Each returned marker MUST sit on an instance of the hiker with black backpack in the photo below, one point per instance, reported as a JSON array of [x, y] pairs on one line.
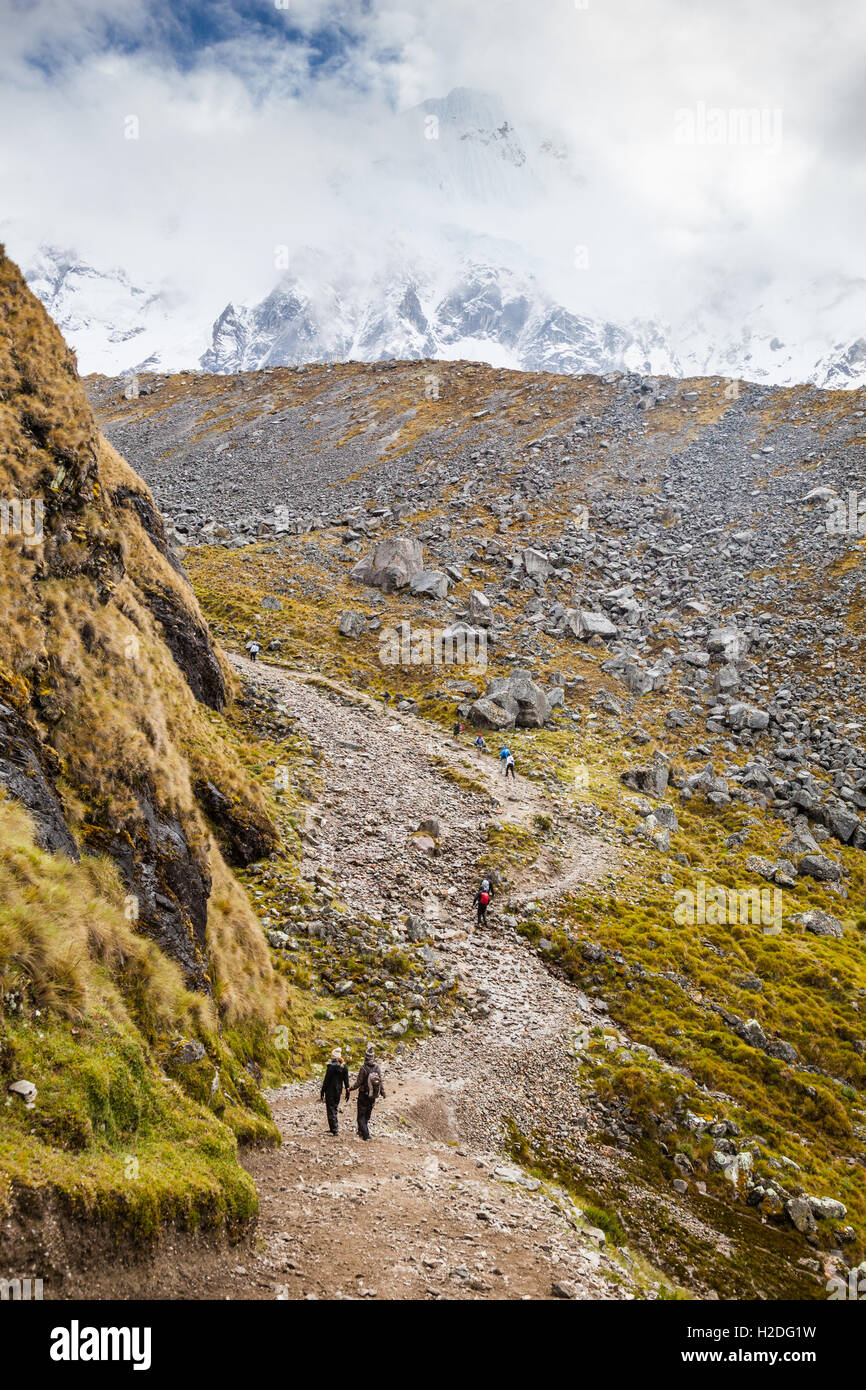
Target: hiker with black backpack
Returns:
[[370, 1087], [336, 1080], [482, 901]]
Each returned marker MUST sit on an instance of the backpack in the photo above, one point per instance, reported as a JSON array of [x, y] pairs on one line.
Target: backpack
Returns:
[[484, 899], [374, 1084]]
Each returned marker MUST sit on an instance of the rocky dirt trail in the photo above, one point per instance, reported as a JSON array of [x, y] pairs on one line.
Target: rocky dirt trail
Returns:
[[429, 1208], [383, 775]]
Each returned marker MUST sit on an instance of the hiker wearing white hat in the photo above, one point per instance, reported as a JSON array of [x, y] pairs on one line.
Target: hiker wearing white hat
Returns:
[[335, 1082]]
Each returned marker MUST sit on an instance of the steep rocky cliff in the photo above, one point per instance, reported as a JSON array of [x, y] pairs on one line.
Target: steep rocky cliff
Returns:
[[128, 952]]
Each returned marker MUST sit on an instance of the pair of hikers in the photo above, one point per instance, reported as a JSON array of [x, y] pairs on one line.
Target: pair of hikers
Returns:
[[506, 762], [368, 1084], [482, 900]]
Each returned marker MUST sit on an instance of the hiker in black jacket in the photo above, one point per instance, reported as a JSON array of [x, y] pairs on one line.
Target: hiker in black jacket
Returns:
[[336, 1080], [370, 1087]]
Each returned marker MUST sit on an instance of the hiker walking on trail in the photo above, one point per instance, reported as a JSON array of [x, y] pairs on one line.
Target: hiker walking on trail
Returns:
[[370, 1087], [509, 767], [335, 1082], [480, 744], [504, 755], [253, 648], [458, 729], [482, 901]]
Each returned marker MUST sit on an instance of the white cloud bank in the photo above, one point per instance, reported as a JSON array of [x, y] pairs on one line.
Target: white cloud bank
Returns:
[[246, 142]]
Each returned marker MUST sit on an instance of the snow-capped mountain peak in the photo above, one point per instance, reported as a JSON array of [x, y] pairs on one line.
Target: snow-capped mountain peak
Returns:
[[451, 265]]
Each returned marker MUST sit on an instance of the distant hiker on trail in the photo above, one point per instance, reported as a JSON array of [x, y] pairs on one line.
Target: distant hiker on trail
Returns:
[[482, 901], [253, 648], [504, 755], [370, 1087], [480, 744], [336, 1080], [509, 767], [458, 729]]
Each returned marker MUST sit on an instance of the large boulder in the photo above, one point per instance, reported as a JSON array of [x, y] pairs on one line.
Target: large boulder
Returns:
[[489, 715], [651, 781], [801, 1215], [728, 643], [820, 923], [706, 783], [819, 867], [633, 677], [743, 716], [520, 690], [800, 841], [536, 564], [534, 710], [429, 584], [352, 624], [841, 822], [480, 611], [466, 644], [512, 701], [392, 565], [827, 1208], [584, 625]]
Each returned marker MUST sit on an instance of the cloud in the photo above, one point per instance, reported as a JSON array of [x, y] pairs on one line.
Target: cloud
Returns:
[[260, 126]]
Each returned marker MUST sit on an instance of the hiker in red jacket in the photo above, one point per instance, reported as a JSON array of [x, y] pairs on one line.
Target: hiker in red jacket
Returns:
[[482, 901], [370, 1087]]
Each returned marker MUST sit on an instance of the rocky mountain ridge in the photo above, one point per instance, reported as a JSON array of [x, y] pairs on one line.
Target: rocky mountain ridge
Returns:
[[488, 309]]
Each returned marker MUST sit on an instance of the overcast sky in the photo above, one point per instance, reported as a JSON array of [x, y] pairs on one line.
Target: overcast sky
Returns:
[[260, 125]]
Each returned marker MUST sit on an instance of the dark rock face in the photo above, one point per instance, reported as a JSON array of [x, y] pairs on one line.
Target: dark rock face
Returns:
[[23, 777], [245, 836], [170, 884], [190, 645], [129, 809], [151, 521]]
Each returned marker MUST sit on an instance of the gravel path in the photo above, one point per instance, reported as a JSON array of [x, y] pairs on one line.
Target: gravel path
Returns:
[[429, 1208]]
